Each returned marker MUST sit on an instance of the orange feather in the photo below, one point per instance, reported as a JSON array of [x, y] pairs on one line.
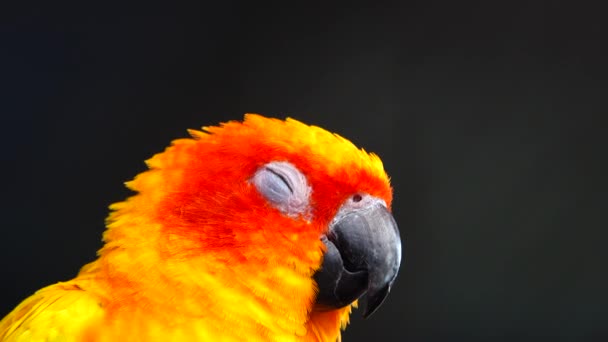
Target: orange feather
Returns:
[[198, 253]]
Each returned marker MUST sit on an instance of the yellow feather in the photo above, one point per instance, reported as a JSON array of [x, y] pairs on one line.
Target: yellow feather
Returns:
[[60, 312], [155, 280]]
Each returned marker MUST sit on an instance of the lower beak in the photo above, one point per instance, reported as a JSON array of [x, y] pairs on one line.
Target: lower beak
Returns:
[[363, 256]]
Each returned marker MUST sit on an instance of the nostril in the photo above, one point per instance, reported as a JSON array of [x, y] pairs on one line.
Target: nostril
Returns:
[[357, 198]]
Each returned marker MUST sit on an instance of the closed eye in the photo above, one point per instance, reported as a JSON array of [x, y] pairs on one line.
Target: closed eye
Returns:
[[284, 187], [282, 178]]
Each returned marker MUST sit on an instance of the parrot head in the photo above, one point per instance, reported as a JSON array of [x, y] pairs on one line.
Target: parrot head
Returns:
[[261, 218]]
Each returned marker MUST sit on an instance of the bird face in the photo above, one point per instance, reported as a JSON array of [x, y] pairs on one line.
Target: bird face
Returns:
[[267, 196], [362, 244]]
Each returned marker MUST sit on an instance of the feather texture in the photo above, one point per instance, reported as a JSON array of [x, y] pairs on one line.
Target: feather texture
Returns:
[[198, 254]]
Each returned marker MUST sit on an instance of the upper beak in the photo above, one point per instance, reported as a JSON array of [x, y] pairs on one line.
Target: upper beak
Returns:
[[363, 255]]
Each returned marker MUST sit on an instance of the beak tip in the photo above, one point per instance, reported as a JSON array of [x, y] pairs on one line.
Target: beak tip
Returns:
[[375, 298]]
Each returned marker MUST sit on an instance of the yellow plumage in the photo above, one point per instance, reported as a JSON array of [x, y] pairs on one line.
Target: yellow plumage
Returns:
[[58, 313], [197, 255]]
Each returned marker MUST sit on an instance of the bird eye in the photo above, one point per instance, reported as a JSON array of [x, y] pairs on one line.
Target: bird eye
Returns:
[[284, 186], [274, 186]]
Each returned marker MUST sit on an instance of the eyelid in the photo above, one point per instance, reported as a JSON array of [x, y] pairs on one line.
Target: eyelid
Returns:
[[284, 187], [282, 178]]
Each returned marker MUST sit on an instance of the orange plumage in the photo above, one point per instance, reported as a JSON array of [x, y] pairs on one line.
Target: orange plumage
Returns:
[[199, 254]]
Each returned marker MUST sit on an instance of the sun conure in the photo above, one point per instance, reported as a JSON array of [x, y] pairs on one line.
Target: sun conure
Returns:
[[261, 230]]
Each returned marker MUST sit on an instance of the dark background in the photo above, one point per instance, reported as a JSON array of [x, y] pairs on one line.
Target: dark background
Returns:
[[487, 116]]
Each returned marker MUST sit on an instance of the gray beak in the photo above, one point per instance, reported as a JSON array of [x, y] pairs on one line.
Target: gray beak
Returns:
[[363, 256]]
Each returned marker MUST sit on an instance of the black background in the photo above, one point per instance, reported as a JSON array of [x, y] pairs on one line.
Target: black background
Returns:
[[488, 116]]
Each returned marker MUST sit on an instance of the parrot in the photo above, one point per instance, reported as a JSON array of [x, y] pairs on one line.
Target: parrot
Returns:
[[260, 229]]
